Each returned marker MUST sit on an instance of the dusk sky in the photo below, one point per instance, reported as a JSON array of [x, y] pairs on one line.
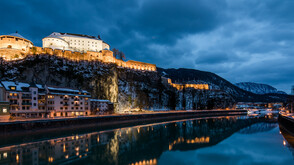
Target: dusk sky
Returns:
[[240, 40]]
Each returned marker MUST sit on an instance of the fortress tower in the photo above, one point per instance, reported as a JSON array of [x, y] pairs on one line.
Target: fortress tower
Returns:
[[14, 46]]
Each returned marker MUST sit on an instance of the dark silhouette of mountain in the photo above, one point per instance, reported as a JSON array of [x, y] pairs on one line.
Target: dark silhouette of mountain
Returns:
[[183, 75]]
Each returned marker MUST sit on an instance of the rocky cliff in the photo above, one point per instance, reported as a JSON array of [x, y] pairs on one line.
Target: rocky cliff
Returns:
[[128, 89]]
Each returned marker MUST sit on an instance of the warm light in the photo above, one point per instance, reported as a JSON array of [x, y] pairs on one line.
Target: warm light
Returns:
[[284, 142], [77, 149], [98, 139], [5, 155], [64, 149], [66, 156], [50, 159], [17, 158]]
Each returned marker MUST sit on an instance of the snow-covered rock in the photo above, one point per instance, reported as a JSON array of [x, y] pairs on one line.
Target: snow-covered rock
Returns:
[[258, 88]]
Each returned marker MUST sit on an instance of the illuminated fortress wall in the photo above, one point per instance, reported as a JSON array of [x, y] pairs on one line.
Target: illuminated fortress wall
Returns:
[[105, 56], [182, 86]]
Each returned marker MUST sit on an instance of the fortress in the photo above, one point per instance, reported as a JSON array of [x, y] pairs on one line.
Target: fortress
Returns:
[[75, 47], [67, 45]]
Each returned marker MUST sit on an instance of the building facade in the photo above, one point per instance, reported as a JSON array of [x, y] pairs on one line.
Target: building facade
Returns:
[[67, 102], [74, 42], [101, 106], [35, 100], [25, 100]]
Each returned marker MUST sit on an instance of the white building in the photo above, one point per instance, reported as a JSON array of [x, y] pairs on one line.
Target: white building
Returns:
[[26, 100], [74, 42], [101, 106], [67, 102]]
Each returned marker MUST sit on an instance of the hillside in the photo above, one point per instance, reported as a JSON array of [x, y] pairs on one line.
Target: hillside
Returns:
[[258, 88], [183, 75]]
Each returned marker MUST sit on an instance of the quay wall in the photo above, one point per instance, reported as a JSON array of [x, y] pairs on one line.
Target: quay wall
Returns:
[[111, 120]]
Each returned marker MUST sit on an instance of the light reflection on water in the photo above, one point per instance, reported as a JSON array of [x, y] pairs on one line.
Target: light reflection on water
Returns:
[[218, 140]]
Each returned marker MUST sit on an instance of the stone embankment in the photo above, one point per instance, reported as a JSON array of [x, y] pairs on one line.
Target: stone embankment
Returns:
[[110, 120]]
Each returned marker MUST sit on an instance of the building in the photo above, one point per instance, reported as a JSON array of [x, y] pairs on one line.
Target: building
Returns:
[[67, 102], [25, 100], [101, 106], [14, 46], [74, 42], [35, 100]]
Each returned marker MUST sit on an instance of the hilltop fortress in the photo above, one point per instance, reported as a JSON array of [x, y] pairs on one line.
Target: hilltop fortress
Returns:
[[67, 45], [75, 47]]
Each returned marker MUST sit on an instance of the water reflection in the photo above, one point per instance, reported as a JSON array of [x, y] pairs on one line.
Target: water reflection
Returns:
[[136, 145]]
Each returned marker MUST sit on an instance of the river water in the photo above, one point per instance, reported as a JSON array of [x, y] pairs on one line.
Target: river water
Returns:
[[212, 140]]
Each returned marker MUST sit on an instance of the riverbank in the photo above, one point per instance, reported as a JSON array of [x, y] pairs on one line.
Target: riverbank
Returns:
[[286, 121], [45, 125]]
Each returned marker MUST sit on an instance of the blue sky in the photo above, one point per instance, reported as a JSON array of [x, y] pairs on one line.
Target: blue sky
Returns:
[[244, 40]]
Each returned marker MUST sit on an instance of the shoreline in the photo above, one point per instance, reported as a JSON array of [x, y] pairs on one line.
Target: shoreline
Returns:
[[30, 126]]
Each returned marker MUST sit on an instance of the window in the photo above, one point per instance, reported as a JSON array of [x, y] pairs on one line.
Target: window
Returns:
[[61, 102], [12, 88], [4, 110], [35, 104], [35, 92], [35, 98]]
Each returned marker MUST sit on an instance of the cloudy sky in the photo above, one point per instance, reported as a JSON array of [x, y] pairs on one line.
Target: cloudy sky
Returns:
[[240, 40]]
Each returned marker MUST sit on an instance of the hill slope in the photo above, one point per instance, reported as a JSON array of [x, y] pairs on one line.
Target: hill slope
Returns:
[[183, 75], [258, 88]]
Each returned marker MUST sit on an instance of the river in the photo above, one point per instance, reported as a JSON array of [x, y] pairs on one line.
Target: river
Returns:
[[211, 140]]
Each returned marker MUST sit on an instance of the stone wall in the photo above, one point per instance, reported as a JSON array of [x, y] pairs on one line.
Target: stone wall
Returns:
[[105, 56], [182, 86]]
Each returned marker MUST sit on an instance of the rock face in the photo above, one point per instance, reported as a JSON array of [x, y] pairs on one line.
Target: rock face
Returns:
[[127, 89], [258, 88]]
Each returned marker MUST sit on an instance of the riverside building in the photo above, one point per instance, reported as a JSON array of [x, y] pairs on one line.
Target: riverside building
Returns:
[[67, 102], [101, 106], [35, 100]]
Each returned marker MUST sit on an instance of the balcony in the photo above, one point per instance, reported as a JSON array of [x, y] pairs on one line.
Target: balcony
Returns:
[[65, 104], [76, 99], [76, 104], [13, 104], [26, 103], [66, 98]]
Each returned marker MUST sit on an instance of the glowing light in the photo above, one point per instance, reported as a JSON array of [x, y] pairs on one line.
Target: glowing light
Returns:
[[66, 156], [77, 149], [5, 155], [17, 158], [50, 159], [284, 143]]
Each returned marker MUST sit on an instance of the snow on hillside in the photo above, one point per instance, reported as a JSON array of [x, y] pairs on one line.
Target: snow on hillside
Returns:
[[258, 88]]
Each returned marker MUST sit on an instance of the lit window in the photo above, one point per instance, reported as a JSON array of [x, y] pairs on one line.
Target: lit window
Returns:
[[4, 110], [12, 88]]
